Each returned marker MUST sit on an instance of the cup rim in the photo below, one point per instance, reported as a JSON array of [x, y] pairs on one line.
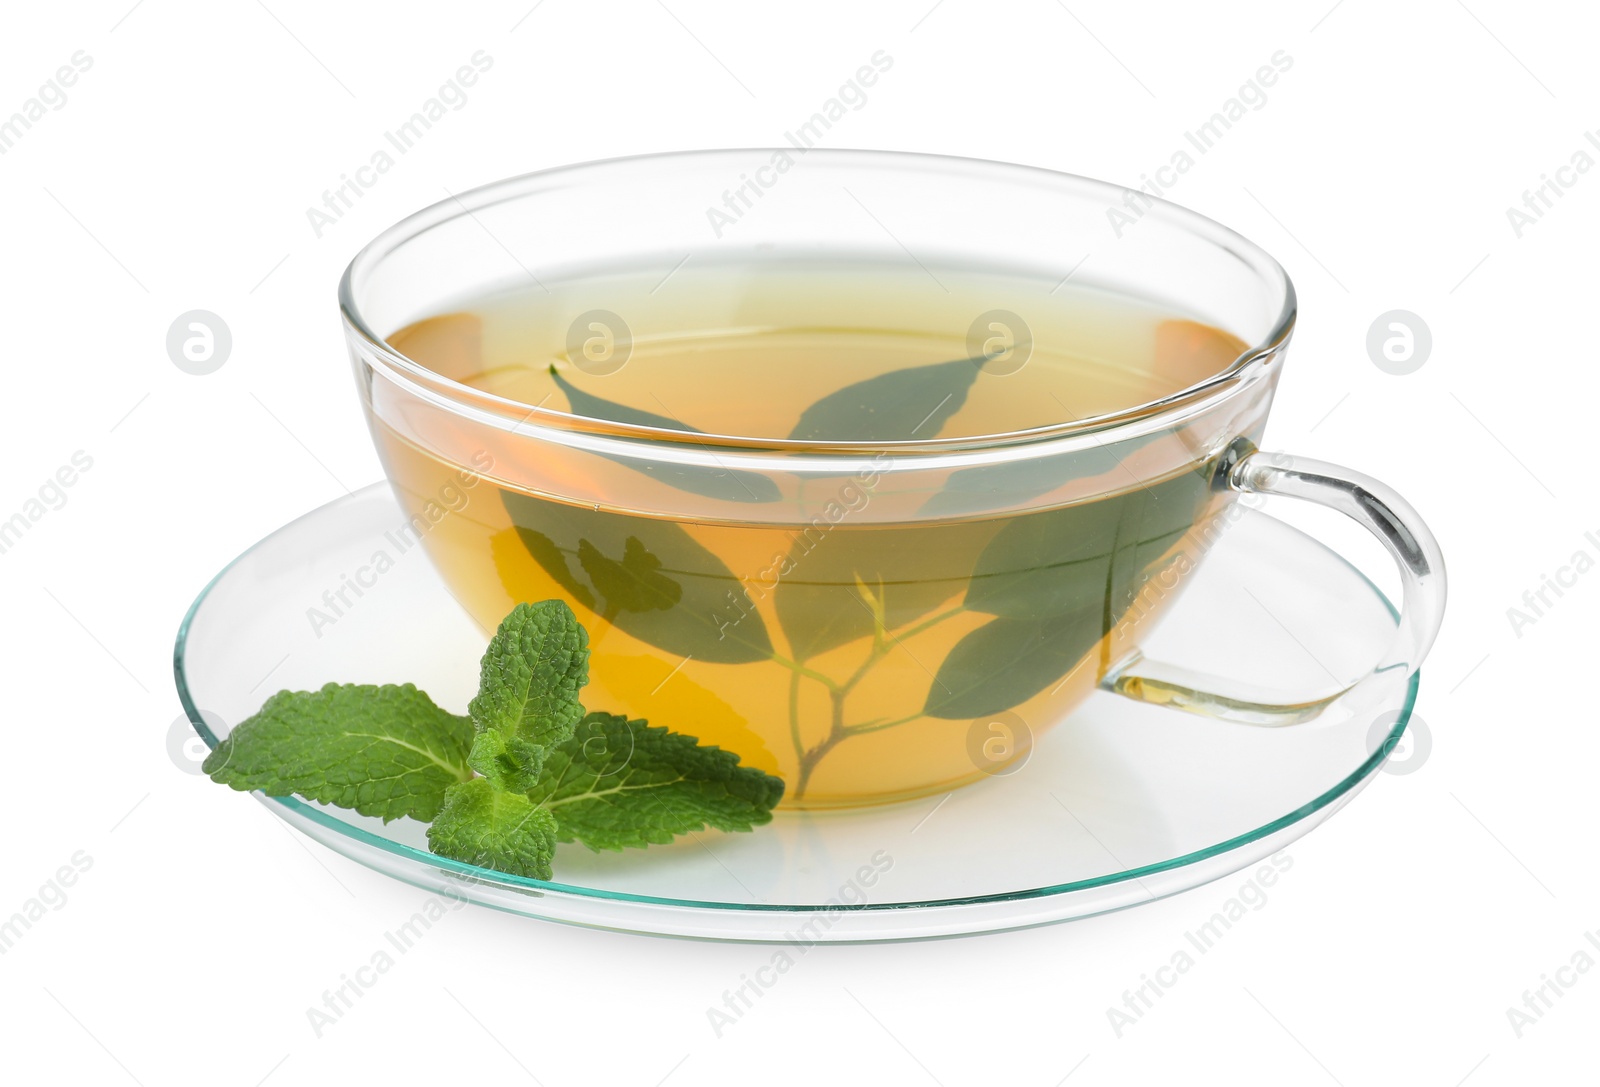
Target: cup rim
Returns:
[[532, 419]]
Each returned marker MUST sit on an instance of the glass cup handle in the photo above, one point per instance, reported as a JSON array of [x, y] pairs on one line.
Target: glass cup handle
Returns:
[[1374, 505]]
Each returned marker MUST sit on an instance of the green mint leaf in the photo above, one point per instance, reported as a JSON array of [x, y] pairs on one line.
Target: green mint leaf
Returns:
[[529, 678], [511, 763], [618, 783], [483, 825], [902, 405], [384, 751], [724, 483]]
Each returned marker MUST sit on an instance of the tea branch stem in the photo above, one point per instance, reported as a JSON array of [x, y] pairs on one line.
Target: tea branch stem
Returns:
[[881, 649], [912, 632], [794, 715], [878, 726], [801, 670], [882, 643], [808, 761]]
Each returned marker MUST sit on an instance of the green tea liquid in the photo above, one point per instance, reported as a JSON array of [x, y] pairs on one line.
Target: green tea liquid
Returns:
[[861, 661]]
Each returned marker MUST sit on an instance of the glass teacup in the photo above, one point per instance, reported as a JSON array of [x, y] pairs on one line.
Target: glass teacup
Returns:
[[869, 467]]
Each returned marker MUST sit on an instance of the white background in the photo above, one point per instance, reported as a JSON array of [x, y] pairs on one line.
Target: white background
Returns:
[[177, 176]]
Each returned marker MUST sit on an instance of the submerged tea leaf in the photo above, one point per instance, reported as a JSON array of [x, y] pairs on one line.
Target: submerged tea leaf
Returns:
[[902, 405], [1060, 560], [1058, 582], [596, 407], [826, 599], [548, 555], [723, 483], [1050, 562], [629, 567], [634, 584], [987, 487], [1005, 662]]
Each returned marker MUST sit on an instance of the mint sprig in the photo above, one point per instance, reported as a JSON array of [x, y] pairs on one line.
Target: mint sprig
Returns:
[[527, 697], [526, 769], [383, 751], [618, 783], [486, 825]]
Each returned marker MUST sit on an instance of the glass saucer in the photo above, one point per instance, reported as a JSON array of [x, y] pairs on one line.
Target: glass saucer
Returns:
[[1122, 803]]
